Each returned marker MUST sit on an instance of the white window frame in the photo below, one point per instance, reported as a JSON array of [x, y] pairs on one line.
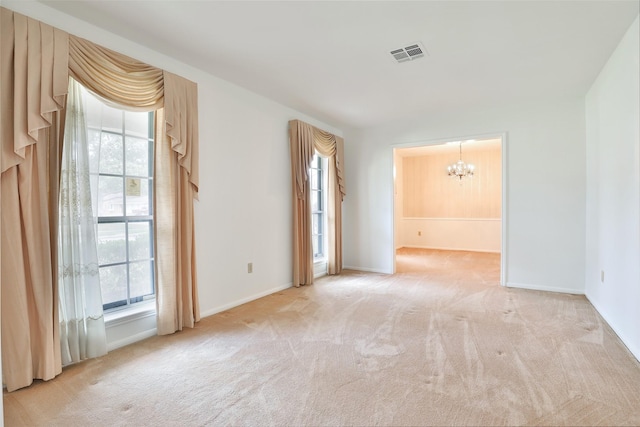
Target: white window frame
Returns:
[[141, 303], [323, 182]]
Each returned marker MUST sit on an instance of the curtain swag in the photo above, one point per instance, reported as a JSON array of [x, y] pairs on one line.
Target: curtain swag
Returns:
[[139, 86], [304, 141], [36, 63]]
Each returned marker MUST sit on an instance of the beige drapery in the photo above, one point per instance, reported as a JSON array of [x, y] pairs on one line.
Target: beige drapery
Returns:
[[36, 61], [33, 89], [176, 155], [304, 140]]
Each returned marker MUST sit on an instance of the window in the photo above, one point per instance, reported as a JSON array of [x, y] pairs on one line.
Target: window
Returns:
[[121, 168], [318, 206]]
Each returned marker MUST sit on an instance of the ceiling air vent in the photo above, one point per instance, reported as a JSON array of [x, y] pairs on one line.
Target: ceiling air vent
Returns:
[[411, 52]]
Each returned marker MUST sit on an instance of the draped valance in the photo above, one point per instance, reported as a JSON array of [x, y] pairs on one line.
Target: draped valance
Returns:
[[38, 59], [139, 86], [325, 143]]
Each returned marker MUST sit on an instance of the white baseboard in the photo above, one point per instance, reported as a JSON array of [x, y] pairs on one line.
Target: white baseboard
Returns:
[[132, 339], [451, 249], [544, 288], [215, 310], [368, 270], [623, 337]]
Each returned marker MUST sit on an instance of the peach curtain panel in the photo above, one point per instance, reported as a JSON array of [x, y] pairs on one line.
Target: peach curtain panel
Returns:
[[176, 155], [33, 87], [181, 118], [304, 140], [301, 143], [36, 61], [335, 196]]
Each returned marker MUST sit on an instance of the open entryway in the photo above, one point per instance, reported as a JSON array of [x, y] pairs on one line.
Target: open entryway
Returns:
[[449, 205]]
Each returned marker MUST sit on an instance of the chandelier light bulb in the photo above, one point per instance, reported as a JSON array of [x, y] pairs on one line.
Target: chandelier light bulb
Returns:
[[460, 169]]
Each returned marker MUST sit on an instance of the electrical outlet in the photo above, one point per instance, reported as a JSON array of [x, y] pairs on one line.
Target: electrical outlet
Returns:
[[250, 267], [419, 233], [602, 276]]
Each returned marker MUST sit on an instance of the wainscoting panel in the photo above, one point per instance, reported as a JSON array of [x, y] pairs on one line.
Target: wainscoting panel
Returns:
[[465, 234]]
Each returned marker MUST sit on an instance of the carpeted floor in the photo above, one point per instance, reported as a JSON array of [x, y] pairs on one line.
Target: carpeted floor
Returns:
[[439, 343]]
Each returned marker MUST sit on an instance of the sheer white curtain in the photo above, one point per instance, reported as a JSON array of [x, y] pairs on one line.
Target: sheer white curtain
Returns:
[[82, 331]]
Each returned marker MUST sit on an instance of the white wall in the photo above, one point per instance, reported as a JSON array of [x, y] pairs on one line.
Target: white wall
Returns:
[[613, 191], [244, 210], [398, 195], [545, 189]]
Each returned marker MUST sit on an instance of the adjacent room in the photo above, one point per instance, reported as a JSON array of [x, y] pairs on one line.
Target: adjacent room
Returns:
[[320, 212], [447, 207]]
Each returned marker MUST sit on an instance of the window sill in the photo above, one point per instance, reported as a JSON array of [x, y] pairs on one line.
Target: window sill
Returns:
[[319, 267], [130, 314]]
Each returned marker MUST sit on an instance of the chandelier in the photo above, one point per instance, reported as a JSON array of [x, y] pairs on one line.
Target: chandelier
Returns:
[[460, 169]]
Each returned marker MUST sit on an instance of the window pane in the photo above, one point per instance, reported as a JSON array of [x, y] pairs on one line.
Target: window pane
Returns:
[[111, 243], [139, 240], [137, 155], [140, 279], [93, 110], [136, 123], [139, 205], [93, 179], [317, 246], [315, 173], [94, 150], [111, 154], [315, 201], [111, 119], [121, 159], [113, 283], [110, 199], [316, 227]]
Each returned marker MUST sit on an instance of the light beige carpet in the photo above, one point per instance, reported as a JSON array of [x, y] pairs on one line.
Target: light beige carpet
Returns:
[[439, 344]]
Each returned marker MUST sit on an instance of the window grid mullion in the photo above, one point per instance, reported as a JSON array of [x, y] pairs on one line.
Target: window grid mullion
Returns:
[[124, 208], [126, 220], [317, 173]]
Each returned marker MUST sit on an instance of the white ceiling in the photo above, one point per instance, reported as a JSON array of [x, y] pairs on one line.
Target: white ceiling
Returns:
[[330, 59], [452, 147]]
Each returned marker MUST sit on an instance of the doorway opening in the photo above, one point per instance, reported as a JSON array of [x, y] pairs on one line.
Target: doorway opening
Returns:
[[444, 221]]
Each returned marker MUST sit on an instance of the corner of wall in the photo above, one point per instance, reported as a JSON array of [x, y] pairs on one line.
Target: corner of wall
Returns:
[[612, 247]]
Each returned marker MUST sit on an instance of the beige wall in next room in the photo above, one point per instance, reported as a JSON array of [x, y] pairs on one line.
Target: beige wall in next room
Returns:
[[443, 212]]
